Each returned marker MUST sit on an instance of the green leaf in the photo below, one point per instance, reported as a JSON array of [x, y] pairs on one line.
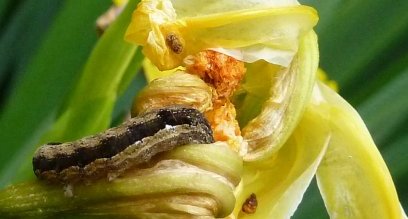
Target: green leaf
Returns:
[[6, 10], [312, 205], [91, 104], [24, 29], [385, 113], [358, 38], [124, 103], [396, 156], [50, 75]]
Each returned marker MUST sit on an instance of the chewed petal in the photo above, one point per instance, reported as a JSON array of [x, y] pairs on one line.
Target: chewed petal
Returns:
[[272, 99], [280, 182], [261, 32], [252, 54], [353, 178]]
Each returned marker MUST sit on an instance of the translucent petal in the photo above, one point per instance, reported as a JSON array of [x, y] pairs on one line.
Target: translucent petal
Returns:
[[262, 31], [280, 182], [272, 99], [270, 34], [189, 8], [353, 178]]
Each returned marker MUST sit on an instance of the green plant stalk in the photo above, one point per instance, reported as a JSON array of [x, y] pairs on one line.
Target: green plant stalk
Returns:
[[14, 55], [39, 199], [26, 199], [216, 158]]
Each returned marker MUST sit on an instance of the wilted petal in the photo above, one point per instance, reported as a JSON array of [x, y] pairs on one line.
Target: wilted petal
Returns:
[[179, 88], [280, 182], [246, 30], [353, 178], [273, 98]]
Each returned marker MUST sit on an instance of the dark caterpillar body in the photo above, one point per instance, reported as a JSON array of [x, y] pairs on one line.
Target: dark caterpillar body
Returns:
[[119, 148]]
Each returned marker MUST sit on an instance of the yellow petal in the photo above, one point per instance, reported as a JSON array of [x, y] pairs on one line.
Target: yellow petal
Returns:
[[353, 178], [256, 32], [273, 99], [151, 72], [280, 182]]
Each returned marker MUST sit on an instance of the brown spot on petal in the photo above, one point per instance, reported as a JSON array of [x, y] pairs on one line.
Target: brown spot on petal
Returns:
[[174, 42], [250, 204]]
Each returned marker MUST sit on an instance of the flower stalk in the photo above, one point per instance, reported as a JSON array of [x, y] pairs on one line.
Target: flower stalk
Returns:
[[212, 171]]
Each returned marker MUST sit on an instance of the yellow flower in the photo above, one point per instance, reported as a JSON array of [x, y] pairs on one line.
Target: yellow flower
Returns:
[[292, 126], [248, 30], [296, 127]]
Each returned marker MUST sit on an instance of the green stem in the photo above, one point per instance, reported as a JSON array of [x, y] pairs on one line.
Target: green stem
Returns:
[[182, 186]]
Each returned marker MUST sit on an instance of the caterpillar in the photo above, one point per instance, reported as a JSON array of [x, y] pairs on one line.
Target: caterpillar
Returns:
[[110, 153]]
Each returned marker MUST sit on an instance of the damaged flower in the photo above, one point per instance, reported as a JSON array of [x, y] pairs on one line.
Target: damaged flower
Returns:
[[249, 66], [292, 126]]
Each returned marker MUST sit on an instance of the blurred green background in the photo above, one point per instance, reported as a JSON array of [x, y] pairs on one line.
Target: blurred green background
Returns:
[[44, 45]]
